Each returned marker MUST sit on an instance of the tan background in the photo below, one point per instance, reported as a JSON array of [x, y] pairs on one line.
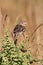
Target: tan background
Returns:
[[32, 12]]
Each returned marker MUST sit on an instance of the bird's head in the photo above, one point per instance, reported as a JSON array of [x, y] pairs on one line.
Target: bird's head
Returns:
[[22, 20], [24, 23]]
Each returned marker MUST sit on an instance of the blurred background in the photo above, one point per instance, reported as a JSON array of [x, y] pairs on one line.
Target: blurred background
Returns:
[[32, 12]]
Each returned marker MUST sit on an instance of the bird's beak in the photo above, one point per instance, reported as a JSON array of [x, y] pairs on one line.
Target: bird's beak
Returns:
[[25, 24]]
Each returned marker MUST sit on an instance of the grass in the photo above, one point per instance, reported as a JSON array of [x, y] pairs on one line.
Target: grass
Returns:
[[11, 55]]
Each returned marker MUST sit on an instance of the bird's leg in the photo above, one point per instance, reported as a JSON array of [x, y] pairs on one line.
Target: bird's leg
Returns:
[[23, 34], [15, 42], [15, 39]]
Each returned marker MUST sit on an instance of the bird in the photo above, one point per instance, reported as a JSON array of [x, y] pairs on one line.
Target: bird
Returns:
[[19, 29]]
